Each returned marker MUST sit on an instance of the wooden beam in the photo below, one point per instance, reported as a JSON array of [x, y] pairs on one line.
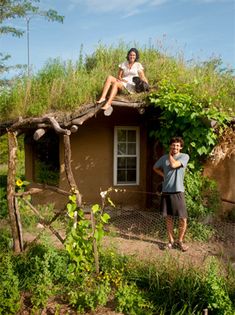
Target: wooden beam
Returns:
[[91, 113], [74, 128], [31, 122], [43, 221], [39, 133], [31, 191]]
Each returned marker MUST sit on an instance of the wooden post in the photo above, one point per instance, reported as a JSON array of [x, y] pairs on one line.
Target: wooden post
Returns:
[[12, 156], [19, 226], [68, 170]]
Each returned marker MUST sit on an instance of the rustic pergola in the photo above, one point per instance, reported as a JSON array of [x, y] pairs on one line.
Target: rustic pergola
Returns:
[[64, 124]]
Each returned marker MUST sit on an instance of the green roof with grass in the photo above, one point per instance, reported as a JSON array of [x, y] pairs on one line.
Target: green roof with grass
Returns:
[[65, 86]]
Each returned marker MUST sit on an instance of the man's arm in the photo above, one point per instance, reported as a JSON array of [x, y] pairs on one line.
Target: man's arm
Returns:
[[158, 171], [174, 163]]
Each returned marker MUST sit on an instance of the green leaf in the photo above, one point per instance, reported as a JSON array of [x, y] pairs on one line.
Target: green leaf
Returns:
[[25, 182], [105, 217], [95, 208], [98, 234], [70, 209], [73, 198]]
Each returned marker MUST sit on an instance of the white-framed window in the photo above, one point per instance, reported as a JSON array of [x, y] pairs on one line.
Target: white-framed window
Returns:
[[126, 155]]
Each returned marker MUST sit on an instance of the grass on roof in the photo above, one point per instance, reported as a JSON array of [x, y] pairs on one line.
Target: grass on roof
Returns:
[[64, 86]]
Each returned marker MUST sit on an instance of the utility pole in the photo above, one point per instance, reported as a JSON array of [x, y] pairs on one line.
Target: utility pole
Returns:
[[50, 15], [28, 57]]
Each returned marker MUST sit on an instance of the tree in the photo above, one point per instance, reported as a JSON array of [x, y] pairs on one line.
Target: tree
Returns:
[[12, 9]]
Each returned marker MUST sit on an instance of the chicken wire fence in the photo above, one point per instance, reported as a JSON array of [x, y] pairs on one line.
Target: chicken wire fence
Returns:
[[151, 225]]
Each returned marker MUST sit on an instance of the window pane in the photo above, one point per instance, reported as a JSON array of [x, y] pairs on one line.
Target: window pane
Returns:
[[121, 162], [122, 135], [131, 136], [131, 163], [122, 148], [131, 176], [131, 148], [121, 176]]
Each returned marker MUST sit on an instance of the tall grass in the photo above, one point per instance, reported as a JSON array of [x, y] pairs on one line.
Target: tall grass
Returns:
[[66, 85]]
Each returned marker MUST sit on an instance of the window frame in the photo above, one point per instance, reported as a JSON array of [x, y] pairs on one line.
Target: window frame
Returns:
[[137, 155]]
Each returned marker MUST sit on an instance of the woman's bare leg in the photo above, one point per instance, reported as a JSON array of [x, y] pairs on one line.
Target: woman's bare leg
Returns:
[[109, 81], [115, 87]]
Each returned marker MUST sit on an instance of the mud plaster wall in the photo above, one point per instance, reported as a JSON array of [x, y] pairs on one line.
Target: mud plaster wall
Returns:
[[92, 161], [224, 174]]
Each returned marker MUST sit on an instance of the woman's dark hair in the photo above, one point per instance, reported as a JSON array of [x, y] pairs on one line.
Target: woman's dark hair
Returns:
[[177, 140], [135, 51]]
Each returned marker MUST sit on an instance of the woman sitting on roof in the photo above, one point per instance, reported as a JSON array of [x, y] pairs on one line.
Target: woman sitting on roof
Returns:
[[127, 71]]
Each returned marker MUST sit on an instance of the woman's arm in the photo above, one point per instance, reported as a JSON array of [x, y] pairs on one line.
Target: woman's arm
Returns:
[[120, 75], [142, 76]]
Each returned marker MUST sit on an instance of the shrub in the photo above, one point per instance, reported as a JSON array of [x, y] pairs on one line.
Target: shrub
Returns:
[[9, 287], [132, 301]]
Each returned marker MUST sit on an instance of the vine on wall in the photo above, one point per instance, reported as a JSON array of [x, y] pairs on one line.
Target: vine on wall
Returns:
[[184, 114]]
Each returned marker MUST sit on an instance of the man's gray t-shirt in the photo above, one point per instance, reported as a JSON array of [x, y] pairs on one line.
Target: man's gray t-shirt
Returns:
[[173, 177]]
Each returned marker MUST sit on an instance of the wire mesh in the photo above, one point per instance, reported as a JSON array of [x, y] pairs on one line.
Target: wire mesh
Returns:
[[151, 224]]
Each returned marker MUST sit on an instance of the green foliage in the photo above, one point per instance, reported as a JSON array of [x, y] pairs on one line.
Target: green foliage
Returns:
[[131, 301], [202, 200], [91, 293], [186, 115], [3, 196], [202, 196], [45, 173], [6, 242], [85, 289], [216, 291], [80, 237], [198, 231], [40, 270], [164, 286], [9, 287], [177, 289]]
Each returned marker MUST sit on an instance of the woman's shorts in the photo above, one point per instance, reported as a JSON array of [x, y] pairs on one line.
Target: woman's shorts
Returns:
[[173, 204]]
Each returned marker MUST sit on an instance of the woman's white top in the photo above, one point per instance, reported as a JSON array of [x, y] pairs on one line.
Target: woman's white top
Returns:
[[129, 73]]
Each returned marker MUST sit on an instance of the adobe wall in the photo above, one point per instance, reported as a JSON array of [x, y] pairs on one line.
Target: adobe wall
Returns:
[[92, 158], [92, 161], [224, 174]]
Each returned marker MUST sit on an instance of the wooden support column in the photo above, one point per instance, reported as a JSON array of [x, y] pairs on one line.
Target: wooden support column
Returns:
[[12, 156], [68, 170]]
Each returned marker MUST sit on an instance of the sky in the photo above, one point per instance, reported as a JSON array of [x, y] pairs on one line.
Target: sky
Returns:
[[196, 29]]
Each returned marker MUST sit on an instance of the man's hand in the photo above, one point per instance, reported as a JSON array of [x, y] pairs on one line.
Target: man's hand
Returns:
[[174, 163]]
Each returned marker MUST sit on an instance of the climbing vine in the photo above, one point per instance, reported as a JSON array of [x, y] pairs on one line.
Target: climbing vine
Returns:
[[184, 114]]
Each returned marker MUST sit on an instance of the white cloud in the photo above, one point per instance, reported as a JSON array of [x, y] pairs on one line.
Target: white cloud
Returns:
[[131, 13], [129, 8]]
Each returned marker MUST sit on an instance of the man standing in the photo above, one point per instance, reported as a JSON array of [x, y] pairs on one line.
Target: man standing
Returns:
[[172, 168]]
